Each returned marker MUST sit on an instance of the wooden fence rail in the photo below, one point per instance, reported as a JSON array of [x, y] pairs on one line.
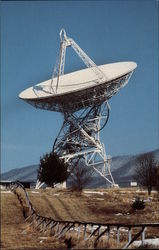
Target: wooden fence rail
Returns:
[[86, 230]]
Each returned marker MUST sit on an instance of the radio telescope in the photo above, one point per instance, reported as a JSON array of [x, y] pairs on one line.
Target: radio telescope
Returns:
[[82, 97]]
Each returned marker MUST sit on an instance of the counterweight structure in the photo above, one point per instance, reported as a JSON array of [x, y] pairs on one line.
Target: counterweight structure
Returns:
[[82, 97]]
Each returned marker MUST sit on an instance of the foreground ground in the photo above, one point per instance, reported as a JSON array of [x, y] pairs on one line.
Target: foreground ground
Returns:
[[99, 206]]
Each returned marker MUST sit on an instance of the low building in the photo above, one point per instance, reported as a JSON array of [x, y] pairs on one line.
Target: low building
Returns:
[[5, 184]]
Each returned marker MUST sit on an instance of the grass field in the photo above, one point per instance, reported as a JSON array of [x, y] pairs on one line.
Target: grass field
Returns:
[[99, 206]]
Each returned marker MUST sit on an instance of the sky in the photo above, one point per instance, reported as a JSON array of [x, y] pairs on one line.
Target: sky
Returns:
[[108, 31]]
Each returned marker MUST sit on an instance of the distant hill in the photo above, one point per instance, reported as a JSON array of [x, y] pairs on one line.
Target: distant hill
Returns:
[[122, 169], [28, 173]]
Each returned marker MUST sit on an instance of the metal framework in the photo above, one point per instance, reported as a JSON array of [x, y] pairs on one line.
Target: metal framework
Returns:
[[79, 138], [60, 64], [84, 116]]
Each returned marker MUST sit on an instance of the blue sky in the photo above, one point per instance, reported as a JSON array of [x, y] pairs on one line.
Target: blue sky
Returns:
[[108, 31]]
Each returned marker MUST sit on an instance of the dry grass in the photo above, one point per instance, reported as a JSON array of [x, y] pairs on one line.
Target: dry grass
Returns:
[[15, 233], [114, 205]]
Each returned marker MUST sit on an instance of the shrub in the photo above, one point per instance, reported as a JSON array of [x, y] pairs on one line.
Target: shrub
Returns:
[[138, 204], [80, 176]]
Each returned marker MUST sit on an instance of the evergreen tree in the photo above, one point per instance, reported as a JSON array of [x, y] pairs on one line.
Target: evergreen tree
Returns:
[[52, 170]]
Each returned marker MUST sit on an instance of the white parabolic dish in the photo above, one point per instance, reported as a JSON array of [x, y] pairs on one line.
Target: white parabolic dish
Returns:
[[80, 88]]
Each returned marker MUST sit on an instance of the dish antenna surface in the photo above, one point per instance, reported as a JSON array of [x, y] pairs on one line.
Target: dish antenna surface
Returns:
[[82, 96]]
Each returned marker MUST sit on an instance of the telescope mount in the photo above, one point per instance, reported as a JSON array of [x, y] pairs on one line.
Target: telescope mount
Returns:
[[79, 136]]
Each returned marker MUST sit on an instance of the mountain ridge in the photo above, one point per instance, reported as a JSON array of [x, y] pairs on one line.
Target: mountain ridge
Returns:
[[122, 169]]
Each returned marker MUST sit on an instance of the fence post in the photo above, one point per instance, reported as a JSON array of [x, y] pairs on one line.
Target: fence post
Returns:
[[79, 229], [118, 234], [130, 234], [143, 235], [108, 232], [98, 231], [57, 227], [84, 233], [73, 228], [47, 224], [91, 228]]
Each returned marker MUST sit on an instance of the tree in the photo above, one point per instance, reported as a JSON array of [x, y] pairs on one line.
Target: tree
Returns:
[[157, 178], [52, 170], [145, 171], [80, 176]]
